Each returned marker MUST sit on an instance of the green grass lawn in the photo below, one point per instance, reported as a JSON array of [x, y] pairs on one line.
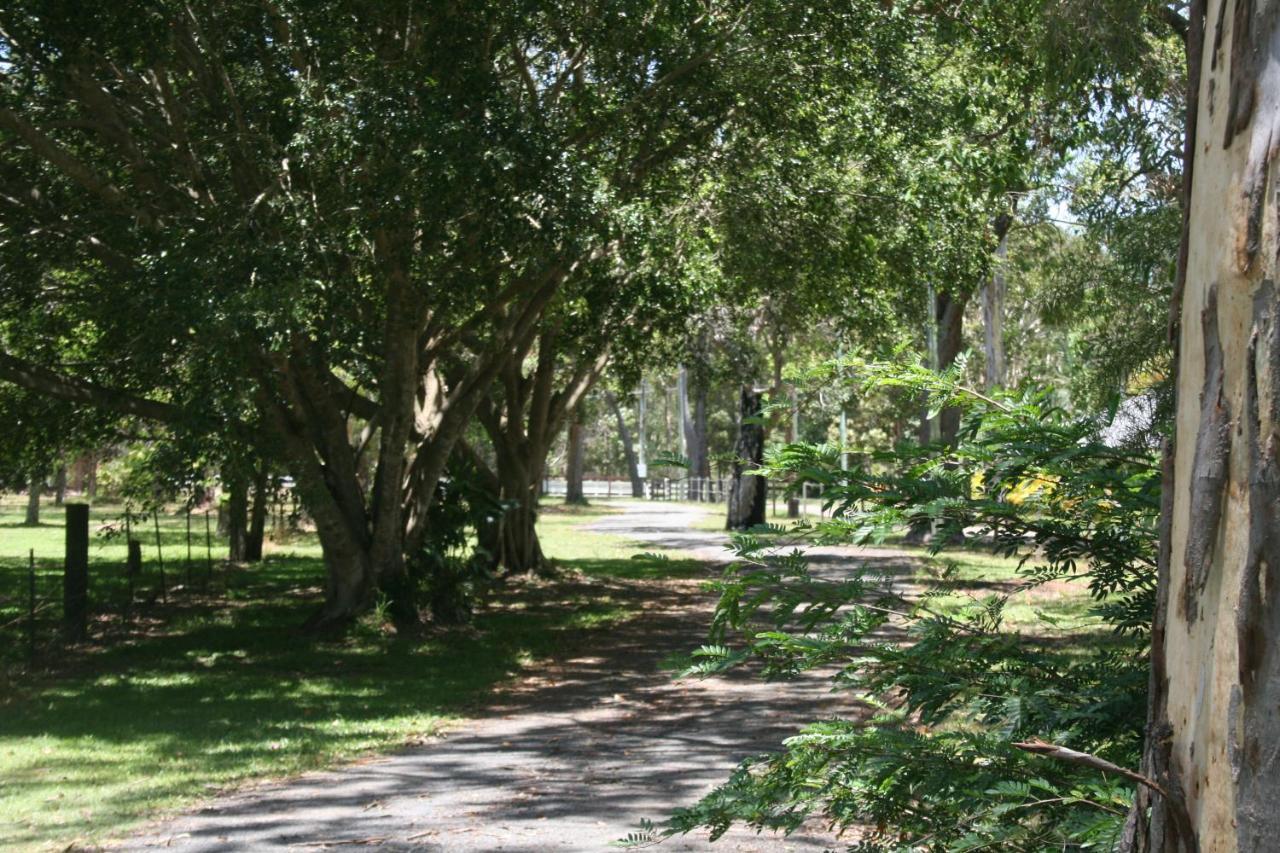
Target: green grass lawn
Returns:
[[214, 684], [211, 688], [970, 576], [605, 555]]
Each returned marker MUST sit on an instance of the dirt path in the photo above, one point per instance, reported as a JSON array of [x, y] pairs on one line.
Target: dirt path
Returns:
[[571, 758]]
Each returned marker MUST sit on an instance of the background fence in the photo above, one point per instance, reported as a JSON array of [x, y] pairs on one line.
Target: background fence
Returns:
[[695, 489], [97, 574]]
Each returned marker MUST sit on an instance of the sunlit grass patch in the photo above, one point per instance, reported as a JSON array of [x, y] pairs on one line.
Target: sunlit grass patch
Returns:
[[567, 539], [211, 689]]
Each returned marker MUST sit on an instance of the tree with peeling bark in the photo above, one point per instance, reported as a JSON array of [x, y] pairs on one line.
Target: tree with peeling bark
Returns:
[[1213, 731]]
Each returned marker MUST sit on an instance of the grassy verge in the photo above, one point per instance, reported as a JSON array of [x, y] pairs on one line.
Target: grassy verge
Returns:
[[212, 687], [968, 576], [596, 554]]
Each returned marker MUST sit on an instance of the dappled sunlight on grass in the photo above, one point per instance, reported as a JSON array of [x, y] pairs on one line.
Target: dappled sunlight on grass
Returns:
[[566, 540], [968, 577], [211, 689]]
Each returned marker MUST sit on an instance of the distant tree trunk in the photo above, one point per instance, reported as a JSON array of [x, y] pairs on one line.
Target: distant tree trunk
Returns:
[[793, 435], [777, 357], [694, 407], [993, 308], [91, 479], [575, 461], [1213, 727], [35, 488], [258, 515], [747, 494], [237, 518], [950, 340], [60, 485], [628, 446], [948, 332]]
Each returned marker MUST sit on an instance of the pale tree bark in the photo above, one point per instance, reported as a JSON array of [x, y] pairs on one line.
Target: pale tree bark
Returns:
[[1213, 739], [748, 493], [35, 488], [628, 445], [993, 295]]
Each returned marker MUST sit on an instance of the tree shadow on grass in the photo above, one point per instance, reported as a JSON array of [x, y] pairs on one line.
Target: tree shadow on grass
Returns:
[[578, 753], [643, 566], [219, 690]]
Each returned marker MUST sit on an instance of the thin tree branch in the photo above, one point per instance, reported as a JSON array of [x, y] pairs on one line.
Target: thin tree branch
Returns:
[[1084, 759]]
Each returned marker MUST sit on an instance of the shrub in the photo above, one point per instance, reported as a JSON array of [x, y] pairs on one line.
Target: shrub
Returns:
[[953, 688]]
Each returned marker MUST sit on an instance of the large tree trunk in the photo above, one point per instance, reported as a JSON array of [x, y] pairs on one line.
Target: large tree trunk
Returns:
[[511, 540], [521, 548], [993, 309], [35, 488], [258, 514], [628, 446], [519, 472], [575, 462], [1213, 738], [948, 337], [60, 485], [747, 494], [793, 435], [522, 430]]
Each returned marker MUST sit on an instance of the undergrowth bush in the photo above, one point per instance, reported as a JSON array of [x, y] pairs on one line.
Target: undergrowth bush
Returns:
[[951, 688]]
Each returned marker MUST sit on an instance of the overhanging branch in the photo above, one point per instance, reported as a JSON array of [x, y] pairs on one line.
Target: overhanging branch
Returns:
[[42, 380]]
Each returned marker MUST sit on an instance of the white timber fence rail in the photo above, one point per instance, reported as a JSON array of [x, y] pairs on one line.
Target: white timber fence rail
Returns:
[[809, 499], [699, 489], [594, 487]]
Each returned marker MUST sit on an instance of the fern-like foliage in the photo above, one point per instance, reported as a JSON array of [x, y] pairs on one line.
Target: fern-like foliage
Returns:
[[934, 766]]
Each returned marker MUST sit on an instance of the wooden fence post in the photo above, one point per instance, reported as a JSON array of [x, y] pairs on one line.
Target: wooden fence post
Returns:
[[164, 596], [208, 550], [132, 568], [31, 608], [75, 577]]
